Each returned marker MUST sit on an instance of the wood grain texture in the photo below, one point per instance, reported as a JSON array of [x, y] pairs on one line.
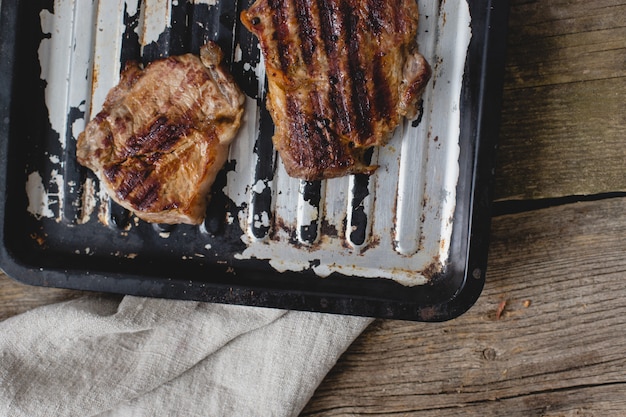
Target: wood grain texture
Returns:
[[16, 298], [546, 338], [564, 110]]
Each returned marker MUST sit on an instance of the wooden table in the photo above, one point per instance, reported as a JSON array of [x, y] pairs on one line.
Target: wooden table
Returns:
[[548, 335]]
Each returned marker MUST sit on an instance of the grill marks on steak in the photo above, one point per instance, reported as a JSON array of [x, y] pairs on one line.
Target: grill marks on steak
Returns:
[[342, 74], [163, 135]]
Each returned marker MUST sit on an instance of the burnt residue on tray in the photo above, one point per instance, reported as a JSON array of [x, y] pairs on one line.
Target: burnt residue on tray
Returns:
[[266, 240]]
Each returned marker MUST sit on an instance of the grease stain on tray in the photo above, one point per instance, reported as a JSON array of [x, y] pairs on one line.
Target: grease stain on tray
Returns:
[[396, 225]]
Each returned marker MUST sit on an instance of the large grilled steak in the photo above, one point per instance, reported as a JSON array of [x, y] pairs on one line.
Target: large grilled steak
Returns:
[[342, 74], [163, 134]]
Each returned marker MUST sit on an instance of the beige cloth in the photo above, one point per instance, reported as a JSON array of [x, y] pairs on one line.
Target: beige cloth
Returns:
[[151, 357]]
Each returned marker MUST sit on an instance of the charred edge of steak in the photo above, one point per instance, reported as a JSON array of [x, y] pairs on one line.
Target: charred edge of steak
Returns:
[[340, 25], [133, 183], [280, 20], [307, 31], [382, 92], [315, 150], [161, 136], [376, 16], [337, 25], [342, 50], [360, 98]]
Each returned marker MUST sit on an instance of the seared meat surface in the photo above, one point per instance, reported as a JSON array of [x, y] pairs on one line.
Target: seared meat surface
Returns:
[[163, 135], [342, 74]]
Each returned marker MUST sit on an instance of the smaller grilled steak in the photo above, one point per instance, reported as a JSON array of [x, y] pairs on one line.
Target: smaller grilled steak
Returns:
[[342, 74], [163, 135]]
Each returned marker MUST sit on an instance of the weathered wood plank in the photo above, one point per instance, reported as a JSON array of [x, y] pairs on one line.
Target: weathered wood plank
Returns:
[[16, 298], [548, 327], [563, 107], [546, 336], [600, 401], [563, 140]]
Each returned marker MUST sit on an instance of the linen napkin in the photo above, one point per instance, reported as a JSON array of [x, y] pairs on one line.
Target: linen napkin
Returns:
[[152, 357]]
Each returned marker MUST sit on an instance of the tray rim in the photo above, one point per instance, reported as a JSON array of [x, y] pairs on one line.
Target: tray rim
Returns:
[[461, 283]]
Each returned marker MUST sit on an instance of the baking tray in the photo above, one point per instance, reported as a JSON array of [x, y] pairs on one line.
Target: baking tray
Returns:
[[409, 242]]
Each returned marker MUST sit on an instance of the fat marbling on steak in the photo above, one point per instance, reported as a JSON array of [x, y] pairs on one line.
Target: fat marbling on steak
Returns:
[[342, 74], [163, 135]]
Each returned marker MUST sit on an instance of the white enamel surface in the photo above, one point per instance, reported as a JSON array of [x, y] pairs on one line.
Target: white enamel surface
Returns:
[[411, 197], [156, 16], [39, 204], [412, 194]]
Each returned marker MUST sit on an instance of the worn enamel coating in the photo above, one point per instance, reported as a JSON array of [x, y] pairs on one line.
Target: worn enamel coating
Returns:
[[403, 212]]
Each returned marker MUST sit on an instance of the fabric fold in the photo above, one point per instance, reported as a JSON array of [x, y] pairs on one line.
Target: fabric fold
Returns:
[[145, 357]]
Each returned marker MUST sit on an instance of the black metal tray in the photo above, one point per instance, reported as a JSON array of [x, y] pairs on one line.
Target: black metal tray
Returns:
[[124, 255]]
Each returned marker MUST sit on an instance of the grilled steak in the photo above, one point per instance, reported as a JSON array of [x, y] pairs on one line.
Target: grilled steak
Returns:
[[342, 74], [163, 135]]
